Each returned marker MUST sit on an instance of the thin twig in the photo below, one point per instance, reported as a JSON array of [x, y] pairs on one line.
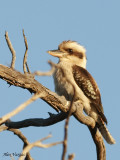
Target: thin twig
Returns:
[[28, 70], [48, 73], [53, 64], [11, 49], [25, 56], [38, 144], [19, 134], [20, 108]]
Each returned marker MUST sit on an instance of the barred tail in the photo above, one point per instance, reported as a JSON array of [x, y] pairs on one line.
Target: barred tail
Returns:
[[105, 133]]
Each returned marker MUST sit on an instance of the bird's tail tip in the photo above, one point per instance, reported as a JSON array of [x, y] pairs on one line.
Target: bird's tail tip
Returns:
[[106, 134]]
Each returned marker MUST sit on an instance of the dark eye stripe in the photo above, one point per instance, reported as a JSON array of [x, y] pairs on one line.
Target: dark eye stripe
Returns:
[[78, 54], [74, 52]]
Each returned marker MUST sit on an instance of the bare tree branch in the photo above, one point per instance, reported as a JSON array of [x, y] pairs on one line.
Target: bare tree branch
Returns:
[[25, 141], [21, 136], [19, 108], [38, 122], [38, 144], [57, 102], [49, 73], [27, 81], [100, 146], [11, 49]]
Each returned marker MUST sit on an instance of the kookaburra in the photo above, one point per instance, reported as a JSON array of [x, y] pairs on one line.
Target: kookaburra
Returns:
[[72, 63]]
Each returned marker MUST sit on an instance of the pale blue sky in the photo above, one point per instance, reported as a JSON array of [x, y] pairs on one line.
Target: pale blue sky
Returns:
[[94, 24]]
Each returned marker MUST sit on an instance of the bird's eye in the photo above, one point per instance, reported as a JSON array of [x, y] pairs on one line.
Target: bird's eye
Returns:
[[70, 50]]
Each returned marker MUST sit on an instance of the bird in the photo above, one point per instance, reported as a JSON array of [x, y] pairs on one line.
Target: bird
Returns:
[[72, 65]]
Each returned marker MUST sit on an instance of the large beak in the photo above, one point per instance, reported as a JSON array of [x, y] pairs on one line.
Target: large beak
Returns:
[[56, 53]]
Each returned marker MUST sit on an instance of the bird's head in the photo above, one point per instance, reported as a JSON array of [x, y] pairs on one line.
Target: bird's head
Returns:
[[71, 52]]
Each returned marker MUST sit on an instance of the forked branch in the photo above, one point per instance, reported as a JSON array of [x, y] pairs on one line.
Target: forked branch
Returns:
[[38, 144]]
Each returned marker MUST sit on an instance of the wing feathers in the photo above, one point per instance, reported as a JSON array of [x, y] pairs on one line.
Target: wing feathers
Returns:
[[88, 85]]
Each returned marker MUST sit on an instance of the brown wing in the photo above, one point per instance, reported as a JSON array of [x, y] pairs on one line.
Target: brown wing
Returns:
[[88, 85]]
